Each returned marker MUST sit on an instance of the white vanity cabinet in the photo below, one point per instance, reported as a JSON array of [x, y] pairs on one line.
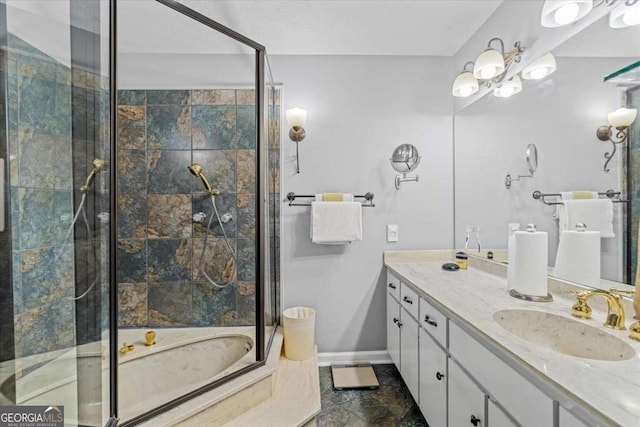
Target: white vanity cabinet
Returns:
[[409, 362], [496, 417], [569, 420], [525, 402], [433, 380], [466, 400], [393, 328]]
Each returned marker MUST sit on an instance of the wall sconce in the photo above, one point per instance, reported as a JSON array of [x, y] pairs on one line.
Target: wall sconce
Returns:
[[296, 117], [508, 87], [620, 119], [489, 68]]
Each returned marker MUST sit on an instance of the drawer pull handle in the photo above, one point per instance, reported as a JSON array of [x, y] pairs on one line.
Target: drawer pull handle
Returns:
[[399, 324], [392, 286], [439, 376], [431, 322], [395, 320], [475, 421], [407, 300]]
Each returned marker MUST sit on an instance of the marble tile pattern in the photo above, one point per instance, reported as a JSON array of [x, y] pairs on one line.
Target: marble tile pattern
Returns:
[[486, 293], [390, 405], [39, 141], [161, 132]]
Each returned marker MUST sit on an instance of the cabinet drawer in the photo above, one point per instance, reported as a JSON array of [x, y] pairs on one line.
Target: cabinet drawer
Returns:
[[393, 285], [433, 322], [524, 401], [409, 300]]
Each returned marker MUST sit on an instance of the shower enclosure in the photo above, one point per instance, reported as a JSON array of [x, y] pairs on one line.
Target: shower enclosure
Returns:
[[127, 285]]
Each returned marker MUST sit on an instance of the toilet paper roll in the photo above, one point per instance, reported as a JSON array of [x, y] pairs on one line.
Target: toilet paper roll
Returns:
[[530, 263], [578, 257]]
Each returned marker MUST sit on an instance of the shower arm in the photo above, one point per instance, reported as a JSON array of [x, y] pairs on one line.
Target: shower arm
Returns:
[[98, 164]]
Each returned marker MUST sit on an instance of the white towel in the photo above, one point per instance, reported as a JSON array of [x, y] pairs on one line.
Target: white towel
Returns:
[[336, 222], [597, 214]]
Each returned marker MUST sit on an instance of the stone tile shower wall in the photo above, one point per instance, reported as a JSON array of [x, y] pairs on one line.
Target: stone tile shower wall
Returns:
[[161, 132], [41, 199]]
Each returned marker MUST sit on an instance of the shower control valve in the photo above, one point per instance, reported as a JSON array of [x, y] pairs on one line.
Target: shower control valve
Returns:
[[199, 217]]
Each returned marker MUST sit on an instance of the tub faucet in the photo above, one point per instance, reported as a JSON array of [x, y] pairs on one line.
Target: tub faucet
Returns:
[[150, 338], [126, 348], [615, 312]]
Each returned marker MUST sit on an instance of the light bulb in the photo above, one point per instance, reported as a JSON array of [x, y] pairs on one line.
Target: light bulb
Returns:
[[566, 14], [632, 17], [488, 72]]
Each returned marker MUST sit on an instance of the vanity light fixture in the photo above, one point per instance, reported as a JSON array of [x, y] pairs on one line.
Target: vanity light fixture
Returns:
[[296, 117], [540, 68], [620, 120], [508, 87], [558, 13], [489, 68], [625, 15], [465, 84]]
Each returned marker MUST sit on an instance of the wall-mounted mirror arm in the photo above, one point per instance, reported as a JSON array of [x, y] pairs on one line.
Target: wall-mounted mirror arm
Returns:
[[532, 162]]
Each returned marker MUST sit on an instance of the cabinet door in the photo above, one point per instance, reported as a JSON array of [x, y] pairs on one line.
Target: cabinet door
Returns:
[[409, 353], [393, 329], [497, 418], [466, 400], [567, 419], [433, 381]]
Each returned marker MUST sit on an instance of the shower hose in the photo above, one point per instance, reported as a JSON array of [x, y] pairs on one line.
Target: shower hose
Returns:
[[206, 238]]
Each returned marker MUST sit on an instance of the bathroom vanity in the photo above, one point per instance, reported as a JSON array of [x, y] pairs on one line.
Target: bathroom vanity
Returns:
[[470, 354]]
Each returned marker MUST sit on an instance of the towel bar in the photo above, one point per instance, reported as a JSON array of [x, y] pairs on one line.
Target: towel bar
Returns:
[[615, 195], [367, 203]]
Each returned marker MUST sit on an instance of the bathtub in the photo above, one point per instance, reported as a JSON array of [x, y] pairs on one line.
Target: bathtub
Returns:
[[182, 360]]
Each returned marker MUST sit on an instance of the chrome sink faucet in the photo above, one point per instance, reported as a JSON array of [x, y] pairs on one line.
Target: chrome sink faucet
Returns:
[[615, 312]]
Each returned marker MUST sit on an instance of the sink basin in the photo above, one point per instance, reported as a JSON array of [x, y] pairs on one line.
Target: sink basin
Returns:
[[563, 335]]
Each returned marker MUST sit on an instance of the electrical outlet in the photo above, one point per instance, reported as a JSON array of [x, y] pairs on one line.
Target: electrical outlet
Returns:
[[392, 232]]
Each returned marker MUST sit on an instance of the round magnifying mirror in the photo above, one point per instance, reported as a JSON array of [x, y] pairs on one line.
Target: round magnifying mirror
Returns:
[[405, 158], [532, 158]]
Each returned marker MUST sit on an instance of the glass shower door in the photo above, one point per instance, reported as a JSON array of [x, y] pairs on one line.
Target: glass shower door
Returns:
[[54, 247]]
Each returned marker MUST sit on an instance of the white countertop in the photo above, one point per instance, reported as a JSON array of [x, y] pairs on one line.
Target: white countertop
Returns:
[[611, 390]]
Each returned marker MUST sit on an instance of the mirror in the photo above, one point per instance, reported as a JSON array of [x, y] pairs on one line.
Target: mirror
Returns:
[[405, 159], [560, 115], [532, 158]]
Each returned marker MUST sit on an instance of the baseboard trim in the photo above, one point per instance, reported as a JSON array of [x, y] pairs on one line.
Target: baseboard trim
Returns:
[[374, 357]]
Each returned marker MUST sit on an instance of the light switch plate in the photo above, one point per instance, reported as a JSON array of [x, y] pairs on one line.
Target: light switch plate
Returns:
[[392, 232]]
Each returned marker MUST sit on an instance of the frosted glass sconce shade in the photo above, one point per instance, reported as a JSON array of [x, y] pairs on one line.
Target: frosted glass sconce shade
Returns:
[[509, 87], [489, 64], [622, 117], [540, 68], [557, 13], [625, 16], [465, 85], [296, 117]]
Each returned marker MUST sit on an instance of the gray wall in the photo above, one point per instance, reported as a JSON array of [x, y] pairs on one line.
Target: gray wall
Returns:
[[360, 108]]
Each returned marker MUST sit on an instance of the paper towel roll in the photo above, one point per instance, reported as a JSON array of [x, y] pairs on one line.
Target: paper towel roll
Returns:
[[511, 251], [578, 257], [530, 263]]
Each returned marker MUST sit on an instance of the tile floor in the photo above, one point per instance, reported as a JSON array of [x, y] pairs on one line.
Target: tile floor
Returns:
[[390, 405]]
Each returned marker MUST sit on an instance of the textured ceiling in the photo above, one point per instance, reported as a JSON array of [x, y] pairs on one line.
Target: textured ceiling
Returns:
[[314, 27]]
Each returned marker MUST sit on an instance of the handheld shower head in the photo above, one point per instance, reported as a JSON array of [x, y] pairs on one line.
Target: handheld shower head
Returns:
[[196, 170], [98, 165]]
